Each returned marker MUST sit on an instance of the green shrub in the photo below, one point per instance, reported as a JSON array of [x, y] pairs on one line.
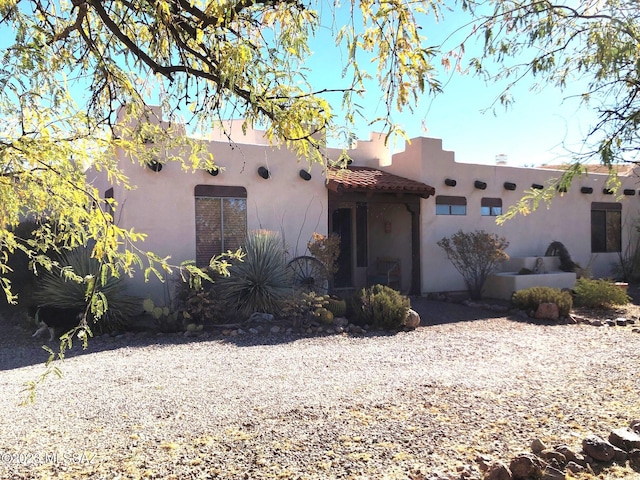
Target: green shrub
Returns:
[[599, 293], [380, 306], [302, 307], [68, 288], [261, 282], [531, 298]]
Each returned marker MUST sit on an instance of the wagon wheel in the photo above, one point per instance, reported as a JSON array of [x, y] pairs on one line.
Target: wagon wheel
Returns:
[[309, 275]]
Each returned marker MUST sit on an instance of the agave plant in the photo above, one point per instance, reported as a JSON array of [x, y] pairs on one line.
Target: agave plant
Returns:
[[67, 288], [262, 281]]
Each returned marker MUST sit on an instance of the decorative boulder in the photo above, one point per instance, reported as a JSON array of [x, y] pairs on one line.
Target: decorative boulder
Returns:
[[525, 465], [598, 449], [625, 438], [547, 311], [498, 471], [413, 319]]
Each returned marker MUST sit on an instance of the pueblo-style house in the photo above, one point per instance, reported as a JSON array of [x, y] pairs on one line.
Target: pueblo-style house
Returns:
[[383, 206]]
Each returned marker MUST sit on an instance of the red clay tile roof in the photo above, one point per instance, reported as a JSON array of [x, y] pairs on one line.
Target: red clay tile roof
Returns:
[[367, 179]]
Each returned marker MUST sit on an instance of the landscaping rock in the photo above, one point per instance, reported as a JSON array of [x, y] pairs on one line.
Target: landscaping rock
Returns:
[[525, 465], [483, 462], [537, 446], [598, 449], [551, 473], [573, 467], [547, 311], [621, 322], [498, 471], [413, 320], [275, 329], [620, 456], [635, 426], [625, 438], [634, 459], [551, 454], [569, 454]]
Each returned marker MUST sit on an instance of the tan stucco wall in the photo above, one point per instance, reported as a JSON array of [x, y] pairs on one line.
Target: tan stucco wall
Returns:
[[568, 219], [162, 205]]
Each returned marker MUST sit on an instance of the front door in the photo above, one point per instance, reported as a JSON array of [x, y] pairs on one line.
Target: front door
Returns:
[[341, 224]]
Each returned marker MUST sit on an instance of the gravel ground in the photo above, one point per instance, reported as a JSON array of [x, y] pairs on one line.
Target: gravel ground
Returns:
[[402, 406]]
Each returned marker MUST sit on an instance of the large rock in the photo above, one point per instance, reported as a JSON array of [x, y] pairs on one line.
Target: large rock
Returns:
[[498, 471], [634, 459], [413, 319], [525, 465], [547, 311], [598, 449], [625, 438]]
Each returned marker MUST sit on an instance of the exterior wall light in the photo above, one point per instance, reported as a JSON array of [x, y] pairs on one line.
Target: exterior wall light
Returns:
[[213, 171], [509, 186], [154, 165], [629, 191], [537, 186], [450, 182], [264, 172], [306, 176], [480, 185], [607, 191], [587, 190]]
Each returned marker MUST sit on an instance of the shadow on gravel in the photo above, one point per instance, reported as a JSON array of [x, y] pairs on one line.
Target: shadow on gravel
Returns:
[[18, 349], [439, 313]]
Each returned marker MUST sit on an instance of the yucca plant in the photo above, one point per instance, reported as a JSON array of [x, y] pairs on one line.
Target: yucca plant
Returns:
[[67, 288], [262, 281]]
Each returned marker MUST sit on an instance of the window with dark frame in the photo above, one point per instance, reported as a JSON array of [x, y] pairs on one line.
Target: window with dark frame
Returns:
[[491, 207], [221, 220], [606, 227], [449, 205]]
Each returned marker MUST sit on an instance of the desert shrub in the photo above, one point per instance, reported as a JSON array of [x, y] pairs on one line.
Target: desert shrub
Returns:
[[380, 306], [599, 293], [262, 281], [302, 307], [201, 302], [475, 255], [68, 287], [531, 298]]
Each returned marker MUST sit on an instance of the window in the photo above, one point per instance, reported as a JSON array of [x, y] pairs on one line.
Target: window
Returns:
[[446, 205], [606, 227], [221, 220], [491, 207]]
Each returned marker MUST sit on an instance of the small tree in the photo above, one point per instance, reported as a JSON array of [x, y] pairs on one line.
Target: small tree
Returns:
[[475, 255]]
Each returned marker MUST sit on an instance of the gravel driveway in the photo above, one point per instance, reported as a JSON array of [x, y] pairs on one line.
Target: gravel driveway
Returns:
[[275, 406]]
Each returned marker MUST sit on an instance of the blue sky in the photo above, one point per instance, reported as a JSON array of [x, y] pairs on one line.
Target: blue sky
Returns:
[[540, 128]]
